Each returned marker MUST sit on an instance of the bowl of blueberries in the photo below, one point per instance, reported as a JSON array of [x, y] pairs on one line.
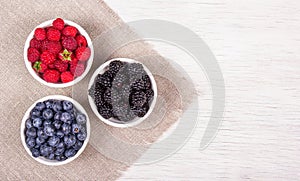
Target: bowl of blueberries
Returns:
[[55, 130], [122, 92]]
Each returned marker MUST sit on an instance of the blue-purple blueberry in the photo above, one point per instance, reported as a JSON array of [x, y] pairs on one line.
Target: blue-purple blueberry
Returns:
[[30, 142], [67, 105], [37, 122], [48, 114], [31, 132], [40, 106], [49, 130], [80, 118]]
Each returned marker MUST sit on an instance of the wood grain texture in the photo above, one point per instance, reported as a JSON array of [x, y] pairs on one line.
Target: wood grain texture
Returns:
[[257, 45]]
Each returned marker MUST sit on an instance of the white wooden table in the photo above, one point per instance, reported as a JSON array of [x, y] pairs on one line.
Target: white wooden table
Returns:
[[257, 44]]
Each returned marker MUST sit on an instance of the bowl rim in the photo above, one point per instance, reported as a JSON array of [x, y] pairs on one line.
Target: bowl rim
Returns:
[[59, 85], [132, 123], [44, 160]]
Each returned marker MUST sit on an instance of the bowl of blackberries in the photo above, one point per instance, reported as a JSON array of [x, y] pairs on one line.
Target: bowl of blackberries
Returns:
[[55, 130], [122, 92]]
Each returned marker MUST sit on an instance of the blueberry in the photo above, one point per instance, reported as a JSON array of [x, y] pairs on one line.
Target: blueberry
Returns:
[[67, 105], [37, 122], [39, 141], [70, 140], [30, 142], [57, 124], [78, 145], [28, 123], [47, 114], [57, 116], [35, 113], [66, 128], [49, 104], [72, 114], [41, 134], [60, 133], [35, 152], [81, 136], [65, 117], [47, 123], [60, 145], [57, 106], [40, 106], [51, 156], [75, 128], [80, 118], [70, 152], [31, 132], [59, 151], [44, 150], [60, 158], [49, 130], [53, 141]]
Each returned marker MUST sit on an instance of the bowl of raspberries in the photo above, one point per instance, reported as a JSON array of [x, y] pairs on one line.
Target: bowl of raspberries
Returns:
[[122, 92], [55, 130], [58, 53]]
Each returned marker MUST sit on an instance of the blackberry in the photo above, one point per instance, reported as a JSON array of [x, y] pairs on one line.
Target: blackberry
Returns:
[[105, 111], [138, 98], [140, 111], [122, 112], [99, 102], [147, 81], [107, 96], [136, 68], [115, 97], [104, 79], [149, 94], [115, 66], [119, 80], [138, 85]]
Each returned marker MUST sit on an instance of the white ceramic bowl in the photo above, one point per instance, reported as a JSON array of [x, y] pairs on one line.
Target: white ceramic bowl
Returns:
[[112, 121], [42, 159], [59, 85]]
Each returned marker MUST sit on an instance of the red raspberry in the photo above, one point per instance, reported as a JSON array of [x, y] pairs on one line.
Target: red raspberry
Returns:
[[61, 66], [53, 47], [74, 60], [33, 54], [34, 43], [70, 31], [58, 24], [40, 34], [51, 76], [44, 45], [83, 53], [51, 66], [81, 41], [66, 77], [77, 69], [69, 43], [47, 58], [39, 67], [53, 34]]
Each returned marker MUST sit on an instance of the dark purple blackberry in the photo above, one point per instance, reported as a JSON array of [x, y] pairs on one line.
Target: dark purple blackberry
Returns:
[[140, 111], [116, 97], [122, 112], [105, 111], [107, 96], [136, 68], [138, 85], [138, 98], [104, 79], [149, 94], [147, 81], [115, 66]]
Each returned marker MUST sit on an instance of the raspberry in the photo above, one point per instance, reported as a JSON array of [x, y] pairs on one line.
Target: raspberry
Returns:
[[69, 31], [34, 43], [83, 53], [51, 76], [44, 45], [77, 69], [69, 43], [33, 54], [47, 58], [53, 47], [58, 24], [39, 67], [51, 66], [61, 66], [81, 41], [53, 34], [66, 77], [40, 34]]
